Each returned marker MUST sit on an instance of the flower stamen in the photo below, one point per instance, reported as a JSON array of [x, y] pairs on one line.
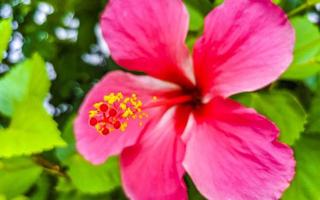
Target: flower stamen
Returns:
[[115, 112]]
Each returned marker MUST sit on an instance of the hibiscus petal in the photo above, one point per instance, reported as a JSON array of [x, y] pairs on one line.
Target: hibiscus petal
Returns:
[[232, 154], [149, 36], [152, 169], [97, 148], [246, 45]]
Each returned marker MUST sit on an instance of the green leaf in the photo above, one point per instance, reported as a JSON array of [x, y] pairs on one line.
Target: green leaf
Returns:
[[64, 153], [282, 108], [191, 40], [20, 198], [193, 193], [28, 79], [276, 2], [218, 2], [313, 125], [307, 50], [91, 179], [42, 188], [203, 6], [32, 129], [6, 31], [80, 196], [196, 18], [305, 185], [64, 185], [17, 176]]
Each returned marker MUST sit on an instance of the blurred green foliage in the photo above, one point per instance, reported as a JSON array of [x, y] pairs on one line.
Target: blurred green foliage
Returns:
[[55, 56]]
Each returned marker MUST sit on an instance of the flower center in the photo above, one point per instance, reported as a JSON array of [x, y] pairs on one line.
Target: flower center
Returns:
[[196, 97], [115, 112]]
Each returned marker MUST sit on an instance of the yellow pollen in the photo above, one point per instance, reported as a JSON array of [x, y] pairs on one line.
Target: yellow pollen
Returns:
[[123, 106], [115, 111]]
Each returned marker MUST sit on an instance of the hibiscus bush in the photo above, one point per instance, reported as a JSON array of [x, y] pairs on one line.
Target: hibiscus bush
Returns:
[[159, 99]]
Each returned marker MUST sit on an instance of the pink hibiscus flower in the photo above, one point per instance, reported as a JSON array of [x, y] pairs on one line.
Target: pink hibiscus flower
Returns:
[[178, 119]]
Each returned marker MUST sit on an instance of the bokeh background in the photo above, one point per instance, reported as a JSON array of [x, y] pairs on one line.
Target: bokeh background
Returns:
[[52, 53]]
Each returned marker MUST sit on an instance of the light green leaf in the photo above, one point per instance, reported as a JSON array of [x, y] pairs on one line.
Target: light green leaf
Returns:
[[32, 130], [307, 50], [282, 108], [20, 198], [218, 2], [196, 18], [91, 179], [276, 2], [17, 176], [22, 93], [305, 185], [191, 41], [5, 31], [28, 79]]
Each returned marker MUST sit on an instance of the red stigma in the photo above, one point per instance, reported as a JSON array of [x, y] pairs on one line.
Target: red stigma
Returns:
[[93, 121], [105, 131], [112, 112], [117, 125], [103, 107]]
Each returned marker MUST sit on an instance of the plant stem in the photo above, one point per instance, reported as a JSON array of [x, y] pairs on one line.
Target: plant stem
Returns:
[[49, 166], [302, 8]]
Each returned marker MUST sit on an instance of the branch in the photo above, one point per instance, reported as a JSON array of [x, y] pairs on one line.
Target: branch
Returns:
[[49, 166], [302, 7]]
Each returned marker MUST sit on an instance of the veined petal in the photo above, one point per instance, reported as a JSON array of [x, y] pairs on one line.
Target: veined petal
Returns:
[[97, 148], [246, 45], [232, 153], [149, 36], [152, 169]]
